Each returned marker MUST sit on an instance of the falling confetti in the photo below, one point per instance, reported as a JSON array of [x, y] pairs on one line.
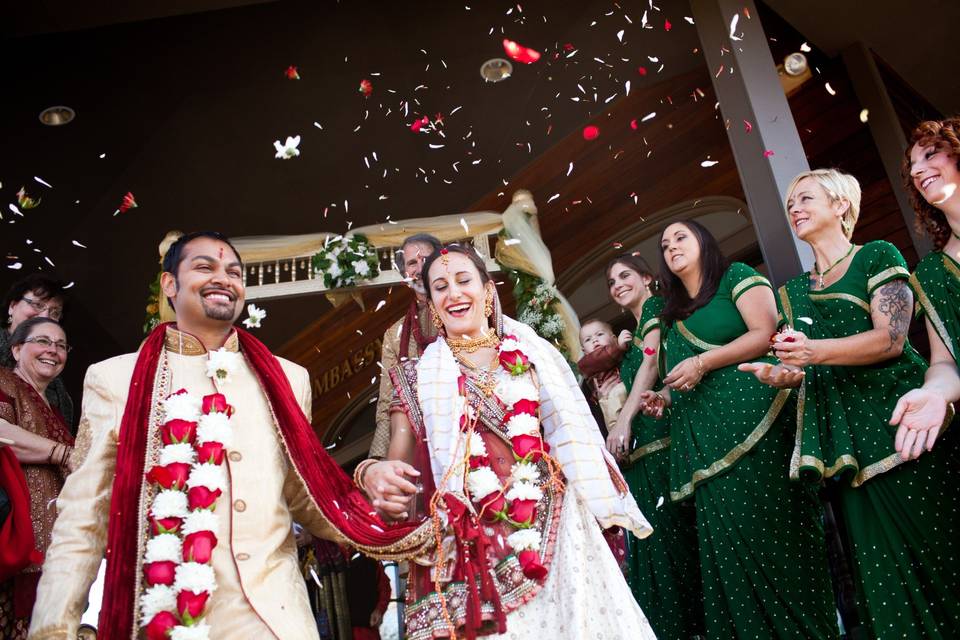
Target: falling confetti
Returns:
[[634, 125], [747, 126], [417, 125], [667, 26], [768, 153], [256, 316], [128, 203], [649, 116], [292, 73], [590, 132], [864, 115], [366, 88], [553, 197], [806, 320], [519, 52], [25, 201], [642, 71], [805, 48], [77, 244], [569, 169], [380, 305], [43, 182], [649, 351], [708, 163], [830, 89], [15, 266], [733, 26], [288, 149]]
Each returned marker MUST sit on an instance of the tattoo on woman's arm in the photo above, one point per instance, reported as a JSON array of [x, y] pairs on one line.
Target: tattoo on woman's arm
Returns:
[[894, 301]]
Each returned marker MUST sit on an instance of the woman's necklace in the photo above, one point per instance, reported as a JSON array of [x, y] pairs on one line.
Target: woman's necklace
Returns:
[[821, 274], [23, 376], [486, 378], [468, 345]]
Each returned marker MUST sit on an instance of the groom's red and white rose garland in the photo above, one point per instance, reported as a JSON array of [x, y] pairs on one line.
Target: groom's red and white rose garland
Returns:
[[189, 477], [517, 504]]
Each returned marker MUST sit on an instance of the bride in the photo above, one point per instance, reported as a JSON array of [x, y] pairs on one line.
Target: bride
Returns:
[[492, 441]]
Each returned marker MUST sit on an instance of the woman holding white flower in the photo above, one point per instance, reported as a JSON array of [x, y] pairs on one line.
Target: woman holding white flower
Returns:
[[513, 475]]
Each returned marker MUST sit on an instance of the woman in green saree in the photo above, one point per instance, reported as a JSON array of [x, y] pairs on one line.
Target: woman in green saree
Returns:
[[851, 361], [762, 557], [931, 174], [663, 569]]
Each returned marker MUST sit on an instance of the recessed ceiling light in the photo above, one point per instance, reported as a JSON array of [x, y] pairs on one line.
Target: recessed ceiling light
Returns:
[[496, 69], [56, 116]]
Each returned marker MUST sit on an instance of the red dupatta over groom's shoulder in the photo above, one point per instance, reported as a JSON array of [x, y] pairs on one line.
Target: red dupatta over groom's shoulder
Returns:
[[331, 490]]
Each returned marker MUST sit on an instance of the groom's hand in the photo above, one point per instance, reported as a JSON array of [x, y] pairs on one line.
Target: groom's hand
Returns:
[[388, 483]]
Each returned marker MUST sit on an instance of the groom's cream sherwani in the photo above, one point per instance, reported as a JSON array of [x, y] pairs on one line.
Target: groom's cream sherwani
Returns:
[[260, 592]]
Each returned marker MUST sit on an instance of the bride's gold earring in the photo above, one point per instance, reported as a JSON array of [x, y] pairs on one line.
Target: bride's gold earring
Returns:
[[488, 305], [435, 318]]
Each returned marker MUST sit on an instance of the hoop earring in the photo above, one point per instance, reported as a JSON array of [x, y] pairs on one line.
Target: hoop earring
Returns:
[[435, 318], [488, 305]]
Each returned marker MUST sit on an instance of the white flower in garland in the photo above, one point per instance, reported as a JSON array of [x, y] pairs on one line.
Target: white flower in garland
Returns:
[[165, 547], [200, 520], [524, 491], [221, 364], [477, 446], [182, 406], [521, 424], [159, 597], [215, 427], [511, 391], [196, 632], [524, 539], [211, 476], [182, 452], [481, 482], [525, 472], [288, 149], [510, 344], [196, 577], [169, 503]]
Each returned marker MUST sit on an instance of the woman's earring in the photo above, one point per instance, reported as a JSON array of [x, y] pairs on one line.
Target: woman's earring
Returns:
[[488, 305], [435, 318]]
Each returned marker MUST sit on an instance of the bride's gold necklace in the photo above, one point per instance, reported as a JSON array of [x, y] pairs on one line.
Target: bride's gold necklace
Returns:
[[472, 345], [486, 378]]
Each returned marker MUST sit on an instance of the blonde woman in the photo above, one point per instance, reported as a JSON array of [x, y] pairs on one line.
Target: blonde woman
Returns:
[[843, 343]]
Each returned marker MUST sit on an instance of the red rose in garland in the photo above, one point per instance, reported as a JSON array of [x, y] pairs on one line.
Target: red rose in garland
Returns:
[[190, 605], [528, 446], [164, 525], [171, 476], [216, 403], [210, 452], [530, 563], [529, 407], [523, 511], [160, 572], [515, 362], [198, 546], [178, 431], [492, 506], [201, 497], [160, 625]]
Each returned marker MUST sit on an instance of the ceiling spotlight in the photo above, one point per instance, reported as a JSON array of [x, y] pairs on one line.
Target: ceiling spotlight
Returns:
[[496, 69], [56, 116], [795, 64]]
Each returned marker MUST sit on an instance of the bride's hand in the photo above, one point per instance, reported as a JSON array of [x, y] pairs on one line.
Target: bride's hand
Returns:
[[390, 490]]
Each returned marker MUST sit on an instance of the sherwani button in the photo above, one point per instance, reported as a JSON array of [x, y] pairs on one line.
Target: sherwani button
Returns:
[[235, 456], [240, 505], [243, 556]]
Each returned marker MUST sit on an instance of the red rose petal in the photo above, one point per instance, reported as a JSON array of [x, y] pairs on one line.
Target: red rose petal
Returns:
[[590, 132]]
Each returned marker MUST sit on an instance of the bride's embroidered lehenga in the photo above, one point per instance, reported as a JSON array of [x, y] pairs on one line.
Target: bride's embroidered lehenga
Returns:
[[483, 585]]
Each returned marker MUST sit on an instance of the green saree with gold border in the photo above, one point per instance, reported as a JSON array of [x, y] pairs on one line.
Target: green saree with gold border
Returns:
[[901, 518], [663, 569], [761, 543]]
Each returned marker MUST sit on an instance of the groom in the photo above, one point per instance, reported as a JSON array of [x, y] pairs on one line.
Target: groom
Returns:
[[218, 560]]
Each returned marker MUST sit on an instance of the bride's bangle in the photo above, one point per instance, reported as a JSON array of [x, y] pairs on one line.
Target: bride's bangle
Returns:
[[361, 471]]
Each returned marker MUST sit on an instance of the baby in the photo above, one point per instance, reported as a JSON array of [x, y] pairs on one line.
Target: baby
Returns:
[[601, 366]]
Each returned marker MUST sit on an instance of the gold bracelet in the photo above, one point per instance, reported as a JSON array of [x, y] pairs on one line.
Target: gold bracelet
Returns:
[[699, 366], [360, 471], [53, 450]]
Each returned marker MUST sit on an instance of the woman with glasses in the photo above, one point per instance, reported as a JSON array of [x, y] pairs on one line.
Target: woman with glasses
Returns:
[[36, 295], [42, 445]]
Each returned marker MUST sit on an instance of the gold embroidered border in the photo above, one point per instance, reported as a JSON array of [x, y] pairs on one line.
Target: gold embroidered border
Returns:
[[746, 283], [883, 275], [927, 305], [863, 304], [649, 326], [637, 342], [785, 303], [656, 445], [738, 451], [951, 266], [697, 342]]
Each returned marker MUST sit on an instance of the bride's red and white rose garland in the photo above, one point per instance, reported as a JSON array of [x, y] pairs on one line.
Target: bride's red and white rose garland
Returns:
[[518, 503], [189, 477]]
